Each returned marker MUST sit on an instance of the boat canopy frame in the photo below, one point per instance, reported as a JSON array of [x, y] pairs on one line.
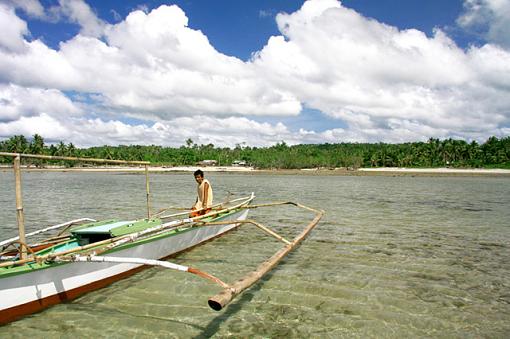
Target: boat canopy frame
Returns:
[[20, 217]]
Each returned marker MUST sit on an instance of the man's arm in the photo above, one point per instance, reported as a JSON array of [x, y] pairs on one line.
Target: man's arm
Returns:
[[206, 191]]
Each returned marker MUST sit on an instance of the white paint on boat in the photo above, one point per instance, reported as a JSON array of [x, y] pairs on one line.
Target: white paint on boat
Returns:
[[43, 283]]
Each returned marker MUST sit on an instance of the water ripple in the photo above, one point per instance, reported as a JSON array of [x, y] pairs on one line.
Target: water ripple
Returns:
[[393, 257]]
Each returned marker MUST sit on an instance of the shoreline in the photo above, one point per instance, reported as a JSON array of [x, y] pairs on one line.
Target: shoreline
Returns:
[[382, 171]]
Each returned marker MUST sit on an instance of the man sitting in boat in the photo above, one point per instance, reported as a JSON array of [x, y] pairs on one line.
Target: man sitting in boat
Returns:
[[204, 196]]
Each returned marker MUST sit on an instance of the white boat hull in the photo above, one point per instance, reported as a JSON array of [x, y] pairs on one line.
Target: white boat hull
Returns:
[[30, 292]]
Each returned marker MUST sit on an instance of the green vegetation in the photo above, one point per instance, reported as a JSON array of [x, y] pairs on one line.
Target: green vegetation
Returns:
[[494, 153]]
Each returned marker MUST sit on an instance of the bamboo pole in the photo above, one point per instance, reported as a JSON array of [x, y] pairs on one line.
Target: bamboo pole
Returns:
[[220, 300], [149, 262], [19, 207], [247, 221], [172, 224], [53, 255], [278, 203], [21, 244], [244, 204], [164, 227], [65, 224], [56, 157], [187, 209], [147, 187], [17, 174], [24, 244], [114, 242], [53, 240], [96, 246]]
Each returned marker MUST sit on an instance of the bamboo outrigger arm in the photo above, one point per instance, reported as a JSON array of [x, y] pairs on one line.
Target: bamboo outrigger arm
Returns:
[[247, 221], [229, 292], [149, 262], [220, 300], [217, 207]]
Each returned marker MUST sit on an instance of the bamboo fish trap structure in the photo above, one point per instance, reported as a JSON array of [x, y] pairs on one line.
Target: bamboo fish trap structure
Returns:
[[87, 254]]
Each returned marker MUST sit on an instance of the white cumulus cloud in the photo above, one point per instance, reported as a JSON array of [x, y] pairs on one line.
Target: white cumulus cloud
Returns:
[[17, 102], [380, 79], [490, 18], [85, 132], [79, 12], [380, 82], [151, 63], [31, 7], [13, 29]]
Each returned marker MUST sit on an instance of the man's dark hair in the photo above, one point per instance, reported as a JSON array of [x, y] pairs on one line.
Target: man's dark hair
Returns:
[[199, 172]]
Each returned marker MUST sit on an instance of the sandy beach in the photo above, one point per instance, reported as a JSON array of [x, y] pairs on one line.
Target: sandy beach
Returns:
[[472, 171], [383, 171]]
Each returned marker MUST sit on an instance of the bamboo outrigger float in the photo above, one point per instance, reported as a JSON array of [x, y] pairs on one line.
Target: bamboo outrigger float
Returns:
[[87, 254]]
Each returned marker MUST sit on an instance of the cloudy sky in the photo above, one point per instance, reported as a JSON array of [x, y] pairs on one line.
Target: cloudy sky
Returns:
[[96, 72]]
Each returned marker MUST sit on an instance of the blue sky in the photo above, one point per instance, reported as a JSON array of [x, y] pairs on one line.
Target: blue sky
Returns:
[[254, 72], [240, 28]]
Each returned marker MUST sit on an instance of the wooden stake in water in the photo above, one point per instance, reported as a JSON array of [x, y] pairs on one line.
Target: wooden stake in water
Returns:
[[19, 207], [147, 185]]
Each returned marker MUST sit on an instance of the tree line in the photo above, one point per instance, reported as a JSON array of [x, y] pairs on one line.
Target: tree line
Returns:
[[434, 153]]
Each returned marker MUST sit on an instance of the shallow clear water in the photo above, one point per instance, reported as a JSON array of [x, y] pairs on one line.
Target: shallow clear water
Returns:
[[393, 257]]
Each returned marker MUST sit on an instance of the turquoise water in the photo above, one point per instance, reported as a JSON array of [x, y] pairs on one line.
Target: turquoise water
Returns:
[[393, 257]]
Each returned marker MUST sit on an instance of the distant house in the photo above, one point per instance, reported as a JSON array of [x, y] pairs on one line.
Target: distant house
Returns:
[[208, 163], [239, 163]]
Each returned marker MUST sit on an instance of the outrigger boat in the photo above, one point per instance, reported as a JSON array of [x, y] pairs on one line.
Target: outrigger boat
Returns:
[[86, 254]]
